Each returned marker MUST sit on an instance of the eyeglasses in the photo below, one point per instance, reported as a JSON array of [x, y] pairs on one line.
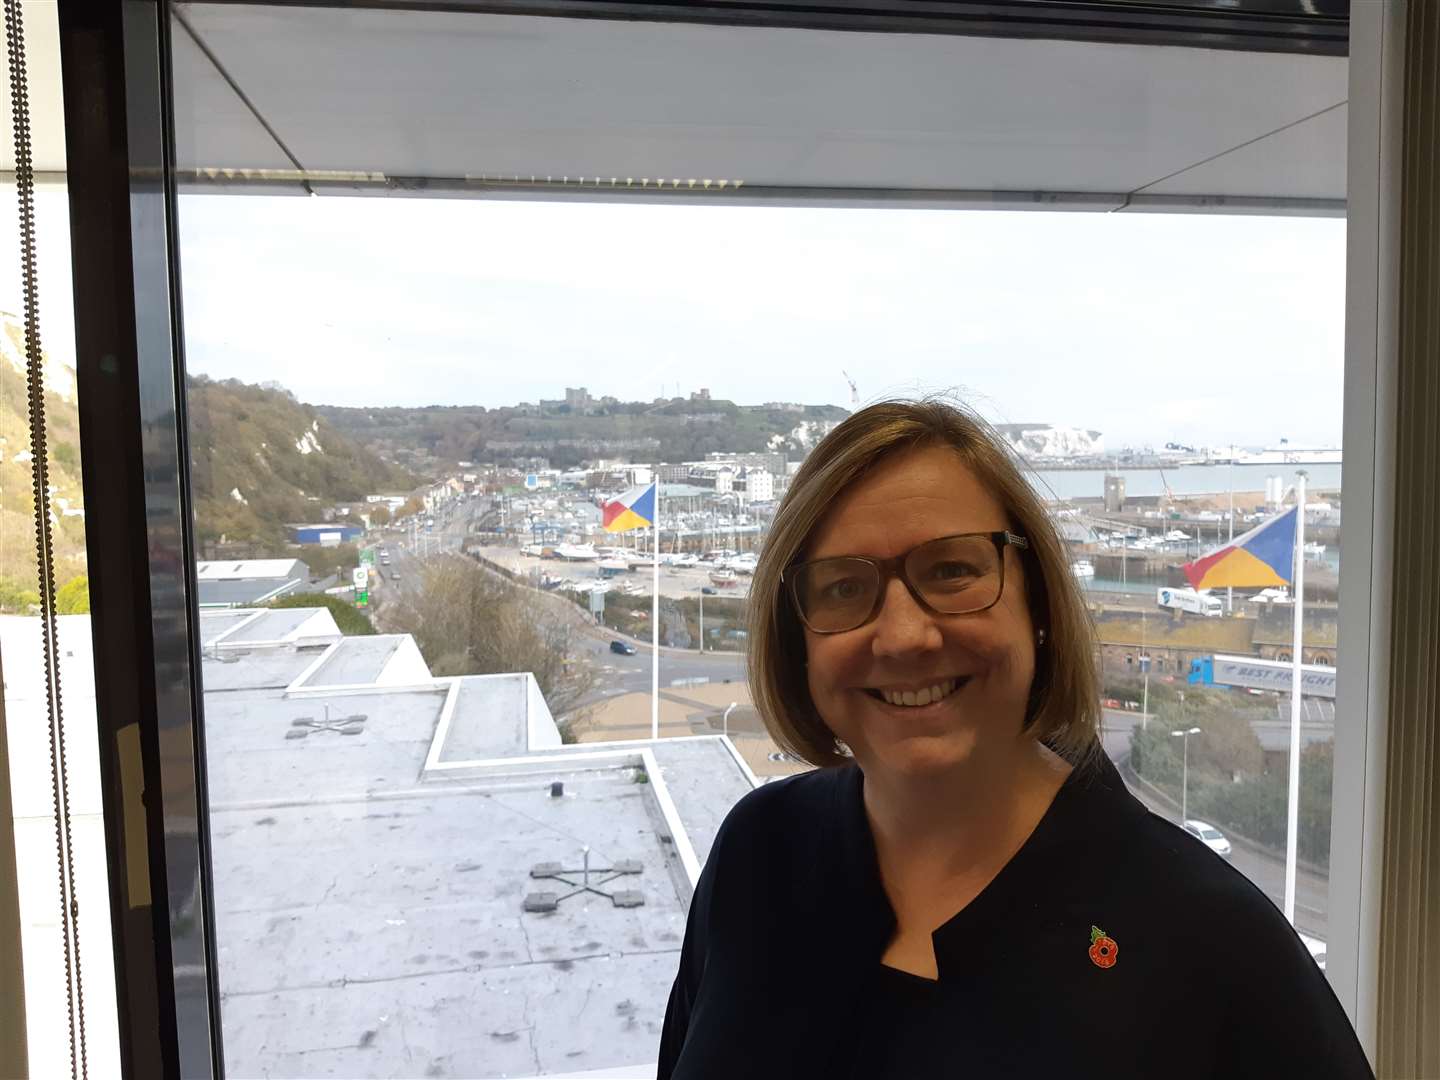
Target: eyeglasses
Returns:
[[952, 575]]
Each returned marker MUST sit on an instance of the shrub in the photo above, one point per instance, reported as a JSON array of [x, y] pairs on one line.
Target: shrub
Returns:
[[352, 622], [73, 598], [16, 597]]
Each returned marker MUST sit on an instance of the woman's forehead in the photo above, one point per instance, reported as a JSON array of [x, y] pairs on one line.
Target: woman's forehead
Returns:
[[904, 501]]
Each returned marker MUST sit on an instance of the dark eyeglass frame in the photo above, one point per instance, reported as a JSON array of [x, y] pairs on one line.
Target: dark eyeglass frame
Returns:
[[893, 568]]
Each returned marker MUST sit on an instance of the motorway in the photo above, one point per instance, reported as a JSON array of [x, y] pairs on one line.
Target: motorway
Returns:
[[631, 674]]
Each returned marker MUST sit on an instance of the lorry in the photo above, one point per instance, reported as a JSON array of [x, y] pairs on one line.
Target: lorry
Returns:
[[1189, 601], [1253, 674]]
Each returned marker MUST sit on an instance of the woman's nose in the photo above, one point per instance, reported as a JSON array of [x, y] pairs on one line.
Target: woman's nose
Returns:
[[903, 626]]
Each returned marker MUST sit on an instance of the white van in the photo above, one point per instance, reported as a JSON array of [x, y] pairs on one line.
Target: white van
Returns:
[[1188, 600]]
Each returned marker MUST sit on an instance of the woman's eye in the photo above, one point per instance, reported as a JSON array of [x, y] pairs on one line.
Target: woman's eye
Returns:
[[952, 571], [844, 589]]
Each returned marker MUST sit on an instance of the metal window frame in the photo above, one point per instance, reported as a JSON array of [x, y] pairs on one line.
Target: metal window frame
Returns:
[[139, 525], [1367, 531], [129, 363], [1317, 27]]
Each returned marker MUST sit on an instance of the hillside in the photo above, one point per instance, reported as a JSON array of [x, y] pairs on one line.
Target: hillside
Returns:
[[678, 430], [17, 519], [260, 459]]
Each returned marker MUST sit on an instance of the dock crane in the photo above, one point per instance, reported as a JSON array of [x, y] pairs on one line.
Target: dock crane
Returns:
[[854, 393]]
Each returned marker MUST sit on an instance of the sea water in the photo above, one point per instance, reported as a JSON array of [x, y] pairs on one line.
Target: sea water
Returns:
[[1185, 480]]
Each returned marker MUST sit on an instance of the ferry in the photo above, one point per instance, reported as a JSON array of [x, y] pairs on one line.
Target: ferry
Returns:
[[1292, 455]]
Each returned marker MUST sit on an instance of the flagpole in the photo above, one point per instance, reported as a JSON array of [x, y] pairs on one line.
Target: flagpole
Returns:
[[1230, 589], [1292, 810], [655, 619]]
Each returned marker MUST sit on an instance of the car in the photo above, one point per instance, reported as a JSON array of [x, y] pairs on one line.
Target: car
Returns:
[[394, 575], [709, 591], [624, 648], [1210, 836]]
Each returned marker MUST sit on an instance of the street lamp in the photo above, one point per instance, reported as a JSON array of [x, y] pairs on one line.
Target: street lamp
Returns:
[[1145, 670], [725, 720], [1185, 734]]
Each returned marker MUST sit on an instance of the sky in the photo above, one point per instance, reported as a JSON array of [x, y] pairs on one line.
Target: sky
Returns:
[[1195, 328]]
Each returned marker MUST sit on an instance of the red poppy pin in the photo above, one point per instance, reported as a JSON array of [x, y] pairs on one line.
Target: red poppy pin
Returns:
[[1103, 949]]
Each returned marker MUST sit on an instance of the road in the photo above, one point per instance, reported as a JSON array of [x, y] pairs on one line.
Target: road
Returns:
[[631, 674]]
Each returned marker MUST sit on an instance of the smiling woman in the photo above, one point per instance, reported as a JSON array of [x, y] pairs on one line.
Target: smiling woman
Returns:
[[940, 883], [895, 475]]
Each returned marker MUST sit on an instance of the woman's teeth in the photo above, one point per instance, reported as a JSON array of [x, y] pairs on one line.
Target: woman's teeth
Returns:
[[920, 697]]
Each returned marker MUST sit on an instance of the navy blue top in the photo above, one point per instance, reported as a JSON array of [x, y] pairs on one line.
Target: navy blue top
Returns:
[[1197, 974]]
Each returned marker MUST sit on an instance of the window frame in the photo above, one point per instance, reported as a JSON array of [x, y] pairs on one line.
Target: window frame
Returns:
[[140, 552], [1376, 104], [130, 364]]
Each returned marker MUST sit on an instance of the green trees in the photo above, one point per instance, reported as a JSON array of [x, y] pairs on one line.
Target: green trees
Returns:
[[350, 621], [73, 598], [15, 598], [1229, 784], [469, 621], [260, 460]]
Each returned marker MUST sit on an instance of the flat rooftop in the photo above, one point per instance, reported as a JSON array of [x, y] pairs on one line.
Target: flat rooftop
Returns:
[[388, 936], [239, 593], [274, 625], [215, 623], [371, 915], [262, 669], [356, 660], [483, 725], [223, 569]]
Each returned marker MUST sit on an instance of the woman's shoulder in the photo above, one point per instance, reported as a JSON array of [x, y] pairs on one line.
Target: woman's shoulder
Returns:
[[790, 821], [1204, 896], [1116, 847], [796, 800], [1243, 957]]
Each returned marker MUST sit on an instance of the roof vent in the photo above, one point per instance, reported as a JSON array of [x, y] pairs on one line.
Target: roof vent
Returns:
[[554, 871]]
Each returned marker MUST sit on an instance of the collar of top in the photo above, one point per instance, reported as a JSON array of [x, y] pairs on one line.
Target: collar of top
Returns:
[[1087, 804]]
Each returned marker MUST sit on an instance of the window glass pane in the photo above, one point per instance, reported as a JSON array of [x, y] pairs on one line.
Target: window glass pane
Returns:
[[35, 1033], [449, 330], [26, 744]]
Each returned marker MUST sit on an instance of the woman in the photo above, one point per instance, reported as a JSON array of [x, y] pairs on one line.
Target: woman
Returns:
[[964, 887]]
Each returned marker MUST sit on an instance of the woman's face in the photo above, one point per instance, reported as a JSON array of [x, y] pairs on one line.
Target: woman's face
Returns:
[[910, 498]]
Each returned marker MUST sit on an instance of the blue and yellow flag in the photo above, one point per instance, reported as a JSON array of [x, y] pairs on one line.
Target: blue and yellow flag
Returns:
[[633, 510], [1263, 557]]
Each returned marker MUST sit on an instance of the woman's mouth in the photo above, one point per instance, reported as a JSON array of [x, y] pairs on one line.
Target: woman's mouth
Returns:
[[916, 698]]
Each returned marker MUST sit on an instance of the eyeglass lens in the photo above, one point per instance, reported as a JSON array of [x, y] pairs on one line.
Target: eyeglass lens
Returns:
[[954, 575]]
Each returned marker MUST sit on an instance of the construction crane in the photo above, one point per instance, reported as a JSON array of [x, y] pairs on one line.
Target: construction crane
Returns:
[[854, 394]]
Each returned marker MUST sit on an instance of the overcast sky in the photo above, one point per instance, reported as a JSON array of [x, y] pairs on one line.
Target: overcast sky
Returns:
[[1195, 328]]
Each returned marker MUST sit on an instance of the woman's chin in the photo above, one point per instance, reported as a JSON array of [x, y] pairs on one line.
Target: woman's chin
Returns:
[[920, 755]]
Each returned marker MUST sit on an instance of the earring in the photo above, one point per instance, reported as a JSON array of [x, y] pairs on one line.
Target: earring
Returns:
[[1040, 638]]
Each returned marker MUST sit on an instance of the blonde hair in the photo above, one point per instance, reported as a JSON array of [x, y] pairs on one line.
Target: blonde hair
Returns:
[[1064, 706]]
